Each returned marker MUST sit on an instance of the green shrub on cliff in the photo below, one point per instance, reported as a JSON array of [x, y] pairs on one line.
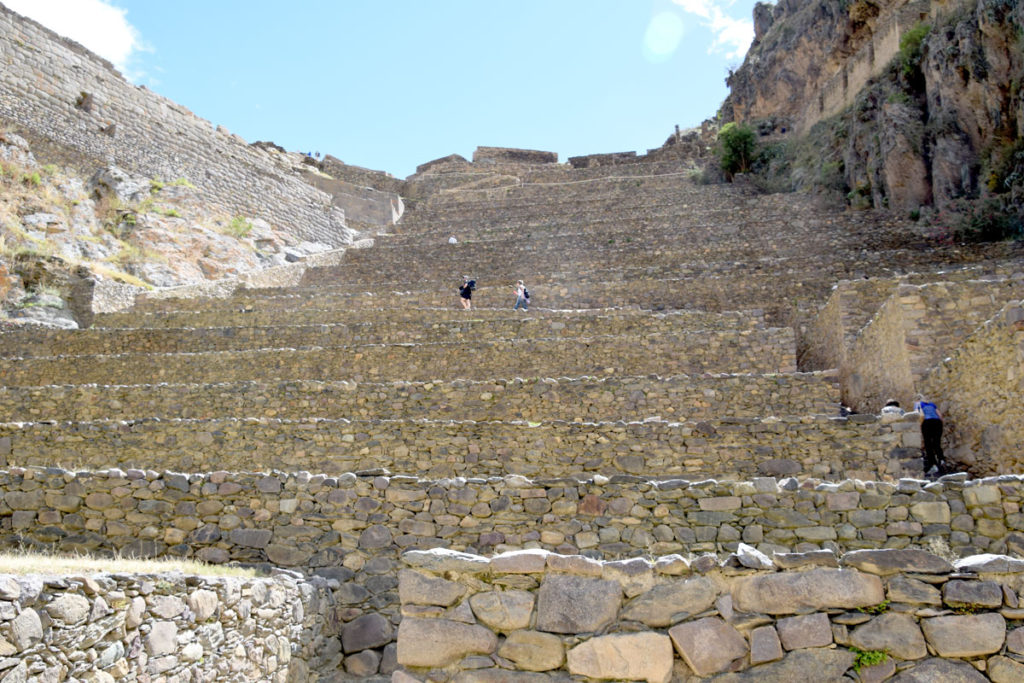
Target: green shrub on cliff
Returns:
[[737, 148], [911, 50]]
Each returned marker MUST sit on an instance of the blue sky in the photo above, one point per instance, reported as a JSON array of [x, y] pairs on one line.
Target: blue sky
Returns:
[[390, 84]]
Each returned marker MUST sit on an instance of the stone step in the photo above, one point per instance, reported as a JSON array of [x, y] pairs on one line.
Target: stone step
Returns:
[[736, 448], [768, 350], [682, 397], [255, 317], [35, 342]]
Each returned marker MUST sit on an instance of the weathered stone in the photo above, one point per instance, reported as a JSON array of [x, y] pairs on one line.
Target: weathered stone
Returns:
[[668, 603], [816, 589], [161, 639], [937, 670], [913, 591], [965, 636], [376, 536], [972, 594], [896, 633], [492, 676], [520, 562], [26, 629], [418, 589], [367, 631], [533, 650], [806, 630], [503, 611], [891, 561], [251, 538], [635, 575], [931, 513], [765, 645], [708, 645], [814, 558], [440, 642], [69, 608], [573, 604], [574, 564], [1004, 670], [826, 665], [443, 559], [203, 604], [362, 664], [634, 656], [167, 606]]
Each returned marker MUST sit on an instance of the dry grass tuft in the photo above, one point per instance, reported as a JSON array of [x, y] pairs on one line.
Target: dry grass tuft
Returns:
[[25, 562]]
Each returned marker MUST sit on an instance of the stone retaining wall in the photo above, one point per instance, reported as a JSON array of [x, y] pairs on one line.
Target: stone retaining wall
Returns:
[[979, 389], [808, 617], [35, 341], [78, 110], [915, 329], [769, 350], [166, 627], [730, 448], [685, 397]]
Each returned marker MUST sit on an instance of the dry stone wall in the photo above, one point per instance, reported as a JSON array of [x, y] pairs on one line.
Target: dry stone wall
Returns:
[[684, 397], [78, 110], [165, 627], [769, 350], [979, 388], [522, 615], [728, 448]]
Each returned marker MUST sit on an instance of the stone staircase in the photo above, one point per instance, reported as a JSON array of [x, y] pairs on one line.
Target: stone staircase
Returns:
[[649, 402]]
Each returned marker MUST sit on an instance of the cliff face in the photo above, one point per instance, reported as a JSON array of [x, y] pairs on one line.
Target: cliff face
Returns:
[[907, 103]]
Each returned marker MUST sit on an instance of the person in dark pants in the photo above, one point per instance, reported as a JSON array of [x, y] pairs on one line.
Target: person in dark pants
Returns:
[[466, 292], [931, 435]]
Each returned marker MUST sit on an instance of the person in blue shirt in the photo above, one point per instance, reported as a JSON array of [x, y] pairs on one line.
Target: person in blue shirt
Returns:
[[931, 435]]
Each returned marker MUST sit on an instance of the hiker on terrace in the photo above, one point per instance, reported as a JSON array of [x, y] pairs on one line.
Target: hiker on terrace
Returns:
[[931, 435], [522, 296], [466, 292]]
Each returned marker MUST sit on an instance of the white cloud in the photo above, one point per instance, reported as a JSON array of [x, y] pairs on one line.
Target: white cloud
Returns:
[[732, 36], [96, 24]]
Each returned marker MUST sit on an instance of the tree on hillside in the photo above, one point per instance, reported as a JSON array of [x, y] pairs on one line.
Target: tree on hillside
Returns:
[[737, 148]]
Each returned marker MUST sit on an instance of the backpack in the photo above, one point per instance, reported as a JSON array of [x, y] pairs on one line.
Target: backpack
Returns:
[[526, 293], [471, 284]]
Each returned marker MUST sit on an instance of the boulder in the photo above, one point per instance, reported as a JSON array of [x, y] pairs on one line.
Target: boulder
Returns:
[[642, 656], [365, 632], [418, 589], [891, 561], [937, 670], [819, 664], [806, 630]]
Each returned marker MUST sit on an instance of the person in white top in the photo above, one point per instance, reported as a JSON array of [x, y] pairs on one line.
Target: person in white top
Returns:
[[522, 297]]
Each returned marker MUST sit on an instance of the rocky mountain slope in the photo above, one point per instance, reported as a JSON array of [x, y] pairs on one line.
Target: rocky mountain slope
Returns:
[[58, 230], [908, 104]]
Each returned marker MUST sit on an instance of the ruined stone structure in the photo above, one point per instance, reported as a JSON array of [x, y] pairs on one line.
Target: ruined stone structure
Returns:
[[673, 390], [650, 459]]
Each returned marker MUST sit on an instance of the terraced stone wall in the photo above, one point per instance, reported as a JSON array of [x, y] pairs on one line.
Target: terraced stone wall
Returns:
[[770, 350], [78, 110], [685, 397], [729, 448], [540, 613], [167, 627], [980, 388], [914, 330]]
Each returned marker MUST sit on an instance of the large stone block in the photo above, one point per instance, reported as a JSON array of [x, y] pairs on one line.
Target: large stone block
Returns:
[[503, 611], [440, 642], [633, 656], [965, 636], [708, 645], [418, 589], [885, 562], [367, 631], [806, 630], [895, 633], [575, 604], [533, 650], [668, 603], [816, 589]]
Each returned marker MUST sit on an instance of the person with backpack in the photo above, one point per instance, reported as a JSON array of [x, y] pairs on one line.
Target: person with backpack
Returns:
[[931, 435], [522, 296], [466, 292]]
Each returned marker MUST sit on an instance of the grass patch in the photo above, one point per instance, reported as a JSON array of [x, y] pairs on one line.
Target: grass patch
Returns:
[[863, 658], [41, 563], [238, 227], [880, 608]]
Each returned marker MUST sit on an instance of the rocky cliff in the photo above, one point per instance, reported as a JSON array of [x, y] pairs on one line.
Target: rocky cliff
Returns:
[[898, 103]]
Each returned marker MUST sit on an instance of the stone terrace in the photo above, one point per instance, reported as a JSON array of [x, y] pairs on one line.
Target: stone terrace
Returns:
[[649, 402]]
